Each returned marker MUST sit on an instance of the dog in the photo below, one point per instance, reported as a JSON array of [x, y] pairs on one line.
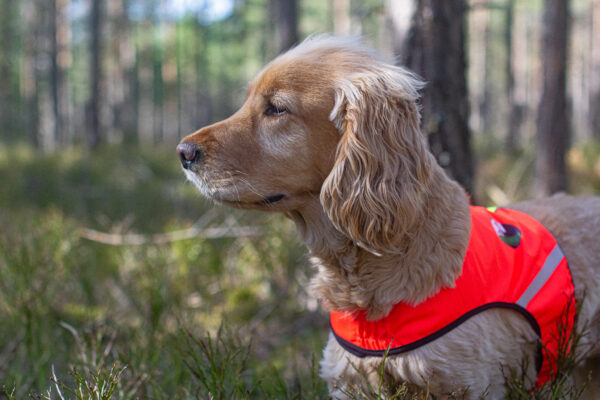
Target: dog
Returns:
[[329, 136]]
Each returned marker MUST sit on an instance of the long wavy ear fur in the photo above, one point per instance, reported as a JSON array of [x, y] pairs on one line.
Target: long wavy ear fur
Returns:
[[375, 191]]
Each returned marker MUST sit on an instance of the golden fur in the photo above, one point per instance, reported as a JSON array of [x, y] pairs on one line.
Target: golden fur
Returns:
[[329, 135]]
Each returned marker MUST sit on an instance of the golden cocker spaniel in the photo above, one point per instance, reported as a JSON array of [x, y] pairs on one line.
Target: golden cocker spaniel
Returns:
[[329, 135]]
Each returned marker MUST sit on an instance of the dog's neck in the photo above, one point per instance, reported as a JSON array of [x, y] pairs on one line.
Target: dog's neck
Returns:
[[350, 277]]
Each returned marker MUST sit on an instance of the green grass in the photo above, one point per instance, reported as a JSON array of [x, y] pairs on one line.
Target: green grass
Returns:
[[220, 318], [126, 315]]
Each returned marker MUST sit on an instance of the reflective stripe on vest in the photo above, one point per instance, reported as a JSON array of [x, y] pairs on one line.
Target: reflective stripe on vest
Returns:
[[512, 262]]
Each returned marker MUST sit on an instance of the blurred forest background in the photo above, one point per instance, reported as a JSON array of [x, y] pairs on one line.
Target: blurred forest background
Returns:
[[116, 277]]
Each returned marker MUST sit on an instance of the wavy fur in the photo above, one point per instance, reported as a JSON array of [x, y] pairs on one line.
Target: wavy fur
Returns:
[[375, 191]]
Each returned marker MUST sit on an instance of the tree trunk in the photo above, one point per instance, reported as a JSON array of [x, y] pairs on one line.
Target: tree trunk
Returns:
[[178, 62], [132, 133], [44, 77], [399, 15], [341, 17], [54, 74], [594, 107], [6, 32], [60, 60], [94, 107], [204, 106], [29, 90], [553, 119], [287, 23], [486, 107], [126, 115], [477, 49], [118, 55], [158, 87], [515, 110], [436, 46]]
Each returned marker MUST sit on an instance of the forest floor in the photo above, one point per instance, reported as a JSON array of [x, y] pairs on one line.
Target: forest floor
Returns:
[[107, 292]]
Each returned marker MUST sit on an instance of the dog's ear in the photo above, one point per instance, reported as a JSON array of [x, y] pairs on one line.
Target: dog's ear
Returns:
[[374, 192]]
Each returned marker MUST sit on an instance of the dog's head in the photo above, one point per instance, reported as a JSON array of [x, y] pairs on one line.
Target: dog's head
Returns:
[[327, 120]]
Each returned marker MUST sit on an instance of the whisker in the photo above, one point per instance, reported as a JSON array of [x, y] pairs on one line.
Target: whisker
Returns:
[[237, 192], [240, 172], [251, 187]]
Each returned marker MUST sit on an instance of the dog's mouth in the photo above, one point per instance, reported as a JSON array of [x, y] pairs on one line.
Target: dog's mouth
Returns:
[[229, 193], [276, 202], [266, 203], [272, 199]]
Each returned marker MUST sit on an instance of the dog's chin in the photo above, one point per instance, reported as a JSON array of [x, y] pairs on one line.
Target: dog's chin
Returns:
[[276, 203], [262, 205], [239, 197], [233, 196]]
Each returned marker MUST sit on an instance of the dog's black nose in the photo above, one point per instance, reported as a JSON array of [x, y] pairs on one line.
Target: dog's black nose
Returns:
[[189, 154]]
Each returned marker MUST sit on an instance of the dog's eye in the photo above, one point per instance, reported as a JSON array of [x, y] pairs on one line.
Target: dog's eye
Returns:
[[273, 111]]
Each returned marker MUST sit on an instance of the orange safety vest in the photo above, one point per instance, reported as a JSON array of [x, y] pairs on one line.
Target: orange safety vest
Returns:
[[512, 262]]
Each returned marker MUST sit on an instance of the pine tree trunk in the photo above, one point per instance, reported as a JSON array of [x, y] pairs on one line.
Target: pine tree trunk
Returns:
[[54, 74], [5, 8], [29, 86], [287, 23], [553, 117], [115, 72], [94, 107], [60, 59], [132, 133], [399, 15], [204, 107], [478, 22], [341, 17], [487, 99], [594, 107], [6, 32], [158, 86], [436, 46], [44, 76], [179, 66], [515, 110], [126, 115]]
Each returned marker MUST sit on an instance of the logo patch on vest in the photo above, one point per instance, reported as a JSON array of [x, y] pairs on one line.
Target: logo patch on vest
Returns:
[[509, 234]]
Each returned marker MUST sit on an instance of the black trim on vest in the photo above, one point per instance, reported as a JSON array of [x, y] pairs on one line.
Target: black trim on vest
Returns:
[[361, 352]]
